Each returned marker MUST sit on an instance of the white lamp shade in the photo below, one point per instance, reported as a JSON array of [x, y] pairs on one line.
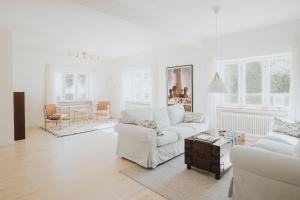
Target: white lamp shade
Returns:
[[216, 85]]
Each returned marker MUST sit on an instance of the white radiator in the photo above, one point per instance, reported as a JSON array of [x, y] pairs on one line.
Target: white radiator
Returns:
[[251, 123]]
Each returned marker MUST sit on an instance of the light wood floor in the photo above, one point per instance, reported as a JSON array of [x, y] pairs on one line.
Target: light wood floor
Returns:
[[76, 167]]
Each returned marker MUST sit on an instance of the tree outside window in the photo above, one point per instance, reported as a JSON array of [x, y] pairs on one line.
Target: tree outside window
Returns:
[[280, 82], [231, 81], [253, 83], [261, 81]]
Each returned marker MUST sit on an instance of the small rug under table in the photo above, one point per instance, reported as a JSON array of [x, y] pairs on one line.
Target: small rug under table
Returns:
[[174, 181]]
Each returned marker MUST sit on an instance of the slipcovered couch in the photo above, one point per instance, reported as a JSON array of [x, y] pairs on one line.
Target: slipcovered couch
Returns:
[[269, 169], [143, 145]]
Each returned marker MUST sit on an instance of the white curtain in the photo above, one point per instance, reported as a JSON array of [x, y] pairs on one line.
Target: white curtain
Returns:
[[294, 111], [214, 99], [125, 89], [50, 84], [135, 86]]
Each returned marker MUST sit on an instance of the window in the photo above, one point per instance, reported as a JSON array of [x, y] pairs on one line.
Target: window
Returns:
[[137, 88], [231, 81], [279, 82], [71, 86], [253, 92], [260, 81]]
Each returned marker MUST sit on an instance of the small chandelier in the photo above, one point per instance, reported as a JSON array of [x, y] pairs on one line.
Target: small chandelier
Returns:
[[84, 56]]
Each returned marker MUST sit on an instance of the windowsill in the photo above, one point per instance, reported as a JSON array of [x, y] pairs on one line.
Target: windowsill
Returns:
[[139, 102], [252, 109], [72, 101]]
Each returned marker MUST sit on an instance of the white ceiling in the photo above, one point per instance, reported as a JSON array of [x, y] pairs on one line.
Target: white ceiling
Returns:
[[122, 27], [195, 17], [63, 26]]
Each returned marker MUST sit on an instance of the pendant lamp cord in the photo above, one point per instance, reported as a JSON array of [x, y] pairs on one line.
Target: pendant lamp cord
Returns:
[[216, 10]]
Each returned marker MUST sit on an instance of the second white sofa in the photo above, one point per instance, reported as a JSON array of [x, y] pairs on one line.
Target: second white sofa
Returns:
[[143, 146], [269, 169]]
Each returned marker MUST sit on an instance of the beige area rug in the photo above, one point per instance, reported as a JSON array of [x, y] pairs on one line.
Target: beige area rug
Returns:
[[174, 181], [79, 128]]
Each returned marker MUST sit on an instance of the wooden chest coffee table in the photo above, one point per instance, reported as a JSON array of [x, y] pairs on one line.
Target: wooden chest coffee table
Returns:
[[212, 157]]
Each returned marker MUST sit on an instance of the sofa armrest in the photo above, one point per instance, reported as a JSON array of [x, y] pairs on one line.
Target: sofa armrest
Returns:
[[265, 163], [137, 133]]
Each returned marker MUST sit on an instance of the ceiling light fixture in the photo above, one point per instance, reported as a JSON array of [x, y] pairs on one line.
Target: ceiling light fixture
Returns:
[[84, 56], [216, 85]]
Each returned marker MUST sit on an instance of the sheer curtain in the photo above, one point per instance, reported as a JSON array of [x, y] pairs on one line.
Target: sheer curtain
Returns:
[[214, 99], [50, 84], [294, 111], [137, 88]]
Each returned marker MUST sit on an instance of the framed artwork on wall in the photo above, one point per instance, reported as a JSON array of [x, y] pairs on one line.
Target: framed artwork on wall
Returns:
[[180, 86]]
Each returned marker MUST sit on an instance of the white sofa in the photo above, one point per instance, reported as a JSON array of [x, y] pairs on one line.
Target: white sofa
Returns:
[[143, 146], [269, 169]]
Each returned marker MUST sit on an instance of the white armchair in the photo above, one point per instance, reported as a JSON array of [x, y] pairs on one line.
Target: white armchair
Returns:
[[261, 174]]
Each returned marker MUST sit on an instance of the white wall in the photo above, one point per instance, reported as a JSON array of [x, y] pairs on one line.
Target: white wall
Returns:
[[6, 89], [158, 62], [31, 59], [274, 39], [30, 75]]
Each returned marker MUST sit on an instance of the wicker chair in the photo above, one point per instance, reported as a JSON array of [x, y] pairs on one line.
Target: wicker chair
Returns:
[[103, 110], [52, 113]]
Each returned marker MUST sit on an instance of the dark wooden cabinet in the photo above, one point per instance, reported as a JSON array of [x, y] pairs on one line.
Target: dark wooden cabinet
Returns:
[[212, 157], [19, 115]]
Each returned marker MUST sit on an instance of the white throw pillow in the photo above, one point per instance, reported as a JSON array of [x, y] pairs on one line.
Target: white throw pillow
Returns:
[[130, 116], [297, 148], [176, 113], [191, 117], [161, 117], [286, 127]]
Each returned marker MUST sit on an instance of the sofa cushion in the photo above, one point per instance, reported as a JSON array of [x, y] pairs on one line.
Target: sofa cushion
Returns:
[[167, 138], [196, 126], [182, 131], [274, 146], [283, 138], [54, 117], [161, 117], [176, 113], [130, 116]]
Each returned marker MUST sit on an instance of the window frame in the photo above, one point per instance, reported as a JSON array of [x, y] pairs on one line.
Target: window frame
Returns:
[[134, 101], [266, 78], [76, 93]]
